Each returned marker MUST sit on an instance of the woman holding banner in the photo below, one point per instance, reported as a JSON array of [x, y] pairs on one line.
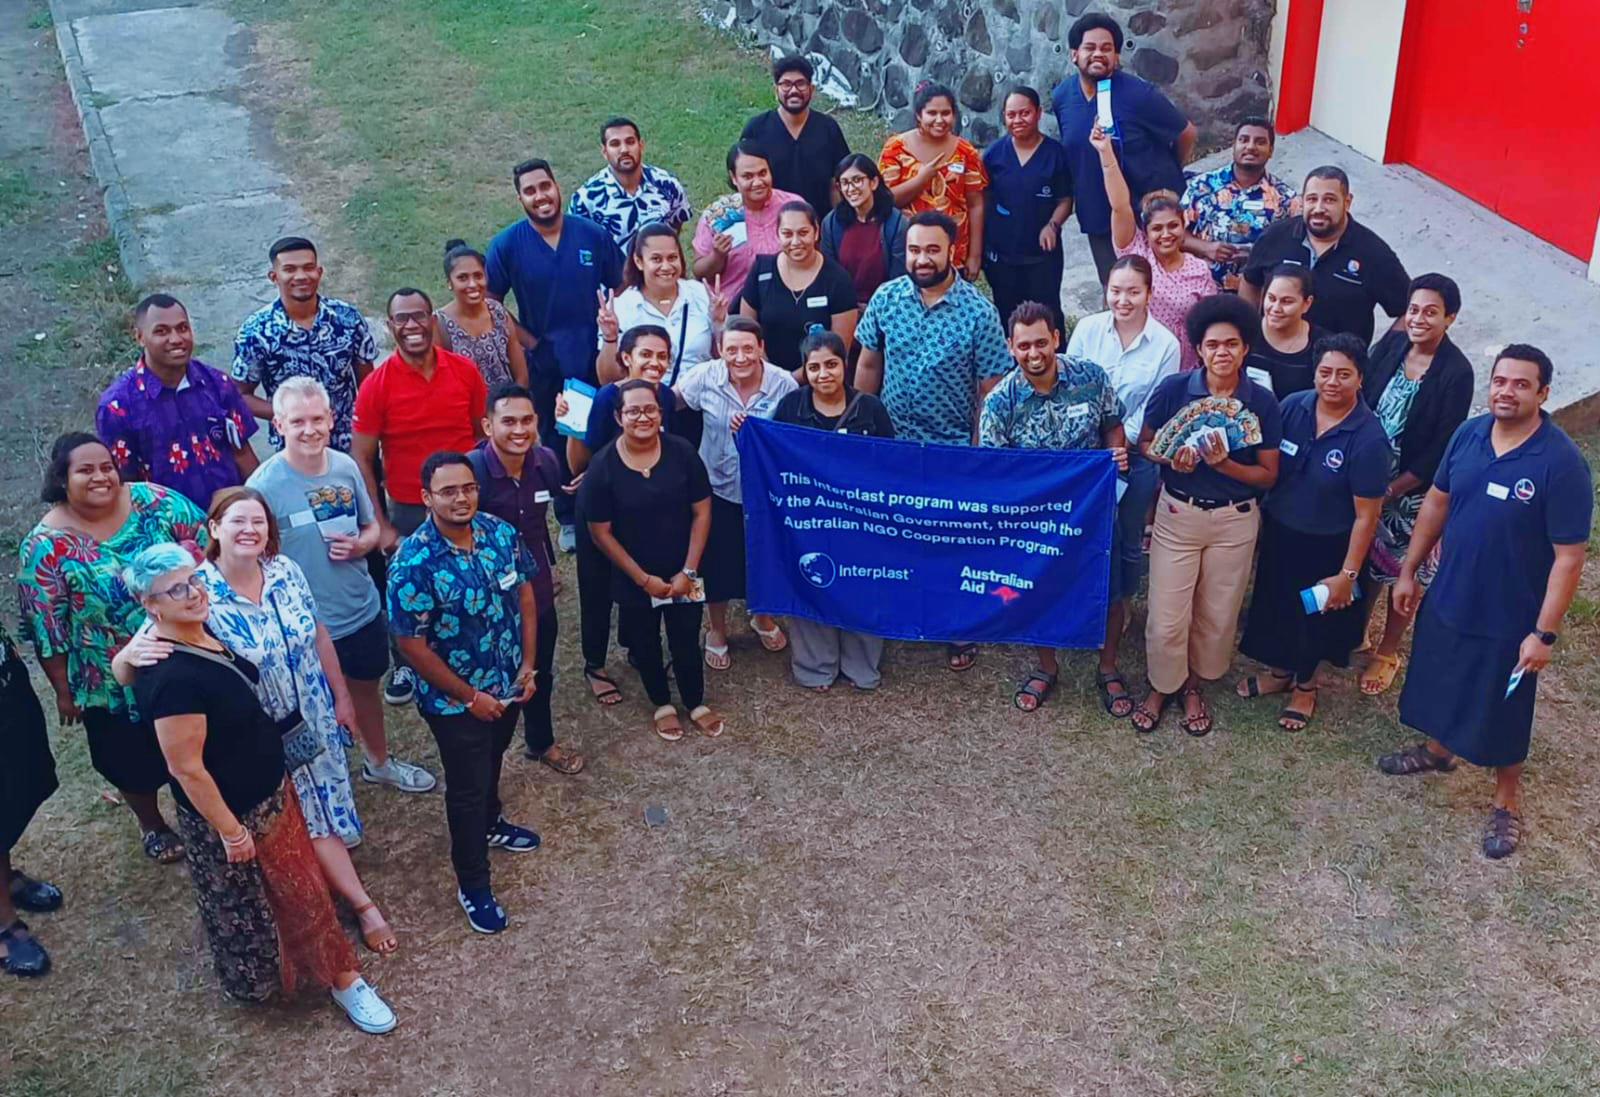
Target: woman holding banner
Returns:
[[820, 653], [1215, 435]]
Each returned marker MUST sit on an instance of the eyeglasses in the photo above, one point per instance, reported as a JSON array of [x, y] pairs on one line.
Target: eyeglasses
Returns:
[[853, 182], [456, 492], [179, 591], [407, 319], [793, 85], [645, 412]]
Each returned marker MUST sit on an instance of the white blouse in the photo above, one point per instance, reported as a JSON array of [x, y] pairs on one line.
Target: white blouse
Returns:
[[1134, 372], [688, 322]]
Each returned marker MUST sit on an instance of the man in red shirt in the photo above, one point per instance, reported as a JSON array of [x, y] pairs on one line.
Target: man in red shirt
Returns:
[[418, 401]]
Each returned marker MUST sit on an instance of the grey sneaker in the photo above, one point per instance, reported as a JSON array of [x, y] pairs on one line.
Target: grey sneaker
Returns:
[[399, 775], [567, 540], [402, 685]]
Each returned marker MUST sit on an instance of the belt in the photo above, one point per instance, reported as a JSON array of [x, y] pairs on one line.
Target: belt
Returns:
[[1209, 504]]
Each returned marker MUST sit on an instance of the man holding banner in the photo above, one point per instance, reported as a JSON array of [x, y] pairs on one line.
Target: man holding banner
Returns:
[[1053, 402], [931, 347]]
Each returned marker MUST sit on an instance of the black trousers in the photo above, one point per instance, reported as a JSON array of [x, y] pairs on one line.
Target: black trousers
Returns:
[[641, 631], [544, 405], [1104, 252], [472, 751], [594, 599], [1014, 283], [537, 728]]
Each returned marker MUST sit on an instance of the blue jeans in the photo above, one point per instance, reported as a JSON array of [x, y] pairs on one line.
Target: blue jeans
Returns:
[[1127, 534]]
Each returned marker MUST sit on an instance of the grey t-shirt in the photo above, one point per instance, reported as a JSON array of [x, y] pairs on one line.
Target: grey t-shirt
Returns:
[[310, 508]]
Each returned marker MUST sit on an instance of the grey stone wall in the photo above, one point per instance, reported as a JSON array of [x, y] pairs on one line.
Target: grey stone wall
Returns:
[[1209, 56]]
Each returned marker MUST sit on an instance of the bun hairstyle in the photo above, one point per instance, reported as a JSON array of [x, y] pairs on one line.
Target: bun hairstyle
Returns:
[[456, 250], [1159, 201]]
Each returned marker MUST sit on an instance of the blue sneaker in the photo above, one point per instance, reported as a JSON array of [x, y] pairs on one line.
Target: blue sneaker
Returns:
[[509, 836], [484, 913]]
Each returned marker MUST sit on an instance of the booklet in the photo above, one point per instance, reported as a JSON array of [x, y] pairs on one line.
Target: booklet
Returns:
[[697, 593], [580, 399]]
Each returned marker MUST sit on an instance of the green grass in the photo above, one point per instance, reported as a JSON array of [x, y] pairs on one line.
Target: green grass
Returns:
[[488, 83], [19, 198]]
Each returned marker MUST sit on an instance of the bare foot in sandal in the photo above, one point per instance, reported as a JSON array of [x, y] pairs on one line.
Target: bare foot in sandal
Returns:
[[1264, 685], [1147, 714], [666, 723], [376, 933], [602, 685], [706, 719]]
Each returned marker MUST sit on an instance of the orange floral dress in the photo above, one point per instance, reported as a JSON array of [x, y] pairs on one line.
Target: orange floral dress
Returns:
[[946, 192]]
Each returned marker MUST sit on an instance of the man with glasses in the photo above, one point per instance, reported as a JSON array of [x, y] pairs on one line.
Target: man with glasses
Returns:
[[803, 147]]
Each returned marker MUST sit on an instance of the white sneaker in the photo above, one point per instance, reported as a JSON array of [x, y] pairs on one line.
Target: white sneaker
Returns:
[[366, 1010], [399, 775]]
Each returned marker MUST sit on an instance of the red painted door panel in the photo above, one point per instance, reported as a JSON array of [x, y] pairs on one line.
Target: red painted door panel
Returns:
[[1499, 103]]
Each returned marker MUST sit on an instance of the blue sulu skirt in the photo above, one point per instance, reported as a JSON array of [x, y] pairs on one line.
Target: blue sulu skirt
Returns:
[[1455, 693]]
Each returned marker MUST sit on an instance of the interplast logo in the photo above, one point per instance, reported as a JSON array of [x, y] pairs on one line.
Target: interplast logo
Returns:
[[822, 571]]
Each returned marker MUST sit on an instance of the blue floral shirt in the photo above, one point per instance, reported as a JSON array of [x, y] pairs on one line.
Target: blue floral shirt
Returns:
[[465, 604], [1217, 208], [660, 197], [271, 348], [1075, 414]]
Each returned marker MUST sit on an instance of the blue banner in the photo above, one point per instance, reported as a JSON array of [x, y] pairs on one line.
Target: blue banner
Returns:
[[927, 542]]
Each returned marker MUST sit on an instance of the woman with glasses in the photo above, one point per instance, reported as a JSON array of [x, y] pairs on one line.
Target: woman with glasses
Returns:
[[647, 500], [77, 613], [865, 233]]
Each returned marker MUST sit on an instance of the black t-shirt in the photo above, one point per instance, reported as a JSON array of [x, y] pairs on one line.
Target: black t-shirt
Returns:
[[788, 317], [243, 750], [1290, 373], [803, 167], [650, 515], [1358, 272], [863, 413]]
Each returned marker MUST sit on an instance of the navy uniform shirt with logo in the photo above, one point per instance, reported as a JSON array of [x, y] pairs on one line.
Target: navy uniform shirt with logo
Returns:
[[1506, 514], [1146, 127], [1175, 393], [1024, 197], [555, 290], [1349, 279], [1319, 477]]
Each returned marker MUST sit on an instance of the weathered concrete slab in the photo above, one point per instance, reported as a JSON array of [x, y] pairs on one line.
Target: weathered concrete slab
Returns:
[[64, 11], [216, 310], [165, 51], [217, 242], [183, 150], [1515, 288]]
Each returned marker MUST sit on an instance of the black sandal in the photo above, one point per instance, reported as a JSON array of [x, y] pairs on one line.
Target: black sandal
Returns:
[[1503, 835], [1292, 714], [1152, 720], [1417, 759], [1252, 684], [163, 846], [1191, 724], [611, 694], [960, 657], [25, 957], [33, 895], [1111, 700], [1037, 685]]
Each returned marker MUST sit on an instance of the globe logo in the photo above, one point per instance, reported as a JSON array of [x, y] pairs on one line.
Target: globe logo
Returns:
[[819, 569]]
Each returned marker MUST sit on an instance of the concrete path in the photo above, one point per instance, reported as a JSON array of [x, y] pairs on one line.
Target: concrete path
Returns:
[[191, 191], [1515, 288]]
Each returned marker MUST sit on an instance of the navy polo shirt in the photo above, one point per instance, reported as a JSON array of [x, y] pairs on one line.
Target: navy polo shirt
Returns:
[[1348, 279], [1023, 196], [1176, 393], [556, 291], [1320, 478], [1506, 515], [1147, 125]]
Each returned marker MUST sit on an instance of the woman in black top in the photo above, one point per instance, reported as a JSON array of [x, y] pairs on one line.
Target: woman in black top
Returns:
[[799, 291], [1420, 386], [260, 889], [819, 652], [647, 500], [1283, 352]]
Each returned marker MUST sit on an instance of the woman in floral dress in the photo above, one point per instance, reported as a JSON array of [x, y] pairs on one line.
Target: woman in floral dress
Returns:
[[930, 168], [77, 613]]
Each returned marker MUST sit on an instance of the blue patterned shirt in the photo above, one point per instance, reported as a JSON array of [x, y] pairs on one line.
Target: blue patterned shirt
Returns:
[[271, 348], [1075, 414], [465, 604], [933, 358], [1217, 208], [660, 197]]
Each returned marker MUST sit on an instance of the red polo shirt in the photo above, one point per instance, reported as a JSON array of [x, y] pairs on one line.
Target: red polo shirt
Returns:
[[414, 417]]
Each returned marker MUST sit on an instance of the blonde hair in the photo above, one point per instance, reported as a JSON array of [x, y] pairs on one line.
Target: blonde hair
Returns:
[[305, 388]]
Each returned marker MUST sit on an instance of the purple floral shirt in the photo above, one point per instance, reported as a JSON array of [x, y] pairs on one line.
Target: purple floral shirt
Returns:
[[181, 438]]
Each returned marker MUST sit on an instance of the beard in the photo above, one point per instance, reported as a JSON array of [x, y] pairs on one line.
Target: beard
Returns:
[[928, 279]]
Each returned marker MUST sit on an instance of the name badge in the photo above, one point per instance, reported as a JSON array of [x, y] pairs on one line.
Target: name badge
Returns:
[[508, 580], [1497, 491], [816, 302], [1288, 447], [541, 497], [764, 276], [1254, 205], [302, 518], [956, 169]]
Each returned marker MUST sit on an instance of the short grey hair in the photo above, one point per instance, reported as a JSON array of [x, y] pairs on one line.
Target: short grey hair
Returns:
[[305, 388], [151, 564]]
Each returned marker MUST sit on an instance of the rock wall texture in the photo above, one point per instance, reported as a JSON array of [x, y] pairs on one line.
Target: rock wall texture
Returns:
[[1210, 56]]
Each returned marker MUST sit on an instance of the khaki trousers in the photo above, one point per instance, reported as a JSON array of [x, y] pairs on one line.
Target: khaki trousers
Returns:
[[1199, 568]]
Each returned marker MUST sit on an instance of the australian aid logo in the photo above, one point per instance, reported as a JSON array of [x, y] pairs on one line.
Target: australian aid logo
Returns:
[[1004, 585]]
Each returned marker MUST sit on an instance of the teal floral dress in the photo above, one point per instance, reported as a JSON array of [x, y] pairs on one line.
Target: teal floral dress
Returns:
[[1399, 516], [73, 603]]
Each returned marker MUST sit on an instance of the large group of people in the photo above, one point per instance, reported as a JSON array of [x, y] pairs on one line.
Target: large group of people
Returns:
[[223, 626]]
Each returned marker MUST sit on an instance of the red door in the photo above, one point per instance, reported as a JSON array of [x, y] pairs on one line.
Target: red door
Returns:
[[1499, 103]]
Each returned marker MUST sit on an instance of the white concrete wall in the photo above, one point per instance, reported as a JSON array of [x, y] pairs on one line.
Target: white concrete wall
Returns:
[[1357, 57], [1280, 23]]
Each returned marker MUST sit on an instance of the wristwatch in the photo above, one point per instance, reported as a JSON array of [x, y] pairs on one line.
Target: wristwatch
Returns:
[[690, 572], [1349, 574], [1548, 639]]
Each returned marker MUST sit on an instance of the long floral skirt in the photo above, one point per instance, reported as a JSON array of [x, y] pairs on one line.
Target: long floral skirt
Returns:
[[270, 921]]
